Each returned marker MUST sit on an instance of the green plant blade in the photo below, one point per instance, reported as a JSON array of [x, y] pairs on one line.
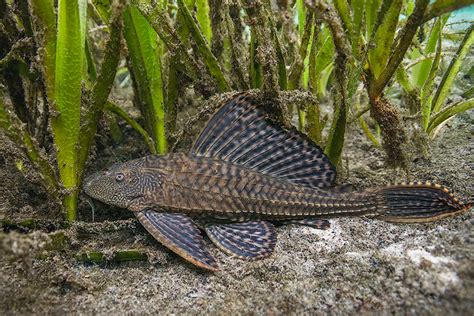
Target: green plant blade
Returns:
[[255, 68], [300, 16], [358, 7], [314, 125], [103, 8], [43, 10], [69, 68], [452, 71], [421, 71], [146, 66], [448, 112], [325, 53], [323, 80], [384, 37], [344, 12], [203, 18], [371, 7], [427, 88]]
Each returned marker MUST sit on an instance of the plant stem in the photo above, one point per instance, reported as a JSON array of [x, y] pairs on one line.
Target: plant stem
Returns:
[[101, 89], [335, 141], [209, 59], [15, 130], [127, 118], [399, 51], [441, 7]]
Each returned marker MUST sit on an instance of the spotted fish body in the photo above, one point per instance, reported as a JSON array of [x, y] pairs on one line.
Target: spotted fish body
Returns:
[[243, 173], [206, 187]]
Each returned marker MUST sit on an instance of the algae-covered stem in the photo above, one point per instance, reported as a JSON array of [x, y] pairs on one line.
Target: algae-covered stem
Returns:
[[335, 141]]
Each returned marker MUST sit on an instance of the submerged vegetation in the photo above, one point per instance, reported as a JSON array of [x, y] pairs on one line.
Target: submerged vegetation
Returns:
[[56, 73]]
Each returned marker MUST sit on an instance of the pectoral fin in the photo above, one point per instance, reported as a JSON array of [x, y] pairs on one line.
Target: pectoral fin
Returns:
[[249, 240], [178, 233]]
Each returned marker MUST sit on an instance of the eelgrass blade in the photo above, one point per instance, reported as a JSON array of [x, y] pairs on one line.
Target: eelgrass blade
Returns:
[[44, 12], [70, 63], [358, 7], [447, 113], [440, 7], [297, 67], [384, 37], [146, 66], [103, 7], [421, 71], [255, 68], [282, 74], [428, 86], [344, 12], [160, 22], [301, 16], [452, 71], [324, 79], [203, 18], [324, 54], [398, 49], [313, 115]]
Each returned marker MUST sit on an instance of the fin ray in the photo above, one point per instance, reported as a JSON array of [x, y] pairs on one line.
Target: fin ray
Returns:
[[178, 233], [241, 133], [248, 240], [418, 203]]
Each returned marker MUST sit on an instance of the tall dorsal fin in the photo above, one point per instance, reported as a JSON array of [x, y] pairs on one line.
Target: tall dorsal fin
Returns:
[[242, 133]]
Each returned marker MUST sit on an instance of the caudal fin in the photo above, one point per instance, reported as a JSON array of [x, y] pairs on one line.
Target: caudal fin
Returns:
[[418, 203]]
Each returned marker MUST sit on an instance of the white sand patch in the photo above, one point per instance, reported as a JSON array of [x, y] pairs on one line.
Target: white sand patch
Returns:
[[449, 278], [357, 255], [417, 255], [329, 239], [439, 272], [395, 250]]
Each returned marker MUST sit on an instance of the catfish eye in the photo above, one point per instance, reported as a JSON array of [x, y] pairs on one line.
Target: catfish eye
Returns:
[[119, 177]]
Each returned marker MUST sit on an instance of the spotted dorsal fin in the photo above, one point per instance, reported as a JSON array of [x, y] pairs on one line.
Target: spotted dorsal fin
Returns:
[[178, 233], [240, 132], [248, 240]]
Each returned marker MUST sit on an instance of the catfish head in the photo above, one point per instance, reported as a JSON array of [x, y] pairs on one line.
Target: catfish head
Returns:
[[134, 185]]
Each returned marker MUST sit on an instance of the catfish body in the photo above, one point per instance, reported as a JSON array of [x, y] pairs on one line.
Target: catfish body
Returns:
[[216, 189], [243, 172]]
